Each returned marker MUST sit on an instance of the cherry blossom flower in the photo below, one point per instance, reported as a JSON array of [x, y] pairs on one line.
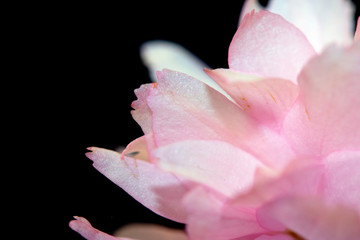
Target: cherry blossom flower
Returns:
[[267, 149]]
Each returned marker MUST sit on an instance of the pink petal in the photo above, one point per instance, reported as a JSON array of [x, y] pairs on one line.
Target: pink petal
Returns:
[[275, 237], [267, 45], [342, 179], [150, 232], [357, 32], [181, 102], [84, 228], [158, 55], [323, 22], [248, 7], [216, 164], [211, 219], [325, 118], [300, 177], [310, 218], [141, 112], [266, 100], [137, 149], [159, 191]]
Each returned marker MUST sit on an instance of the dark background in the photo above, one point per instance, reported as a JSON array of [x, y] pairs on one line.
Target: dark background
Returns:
[[99, 68]]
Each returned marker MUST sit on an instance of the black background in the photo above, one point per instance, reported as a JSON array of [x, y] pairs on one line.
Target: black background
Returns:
[[99, 67]]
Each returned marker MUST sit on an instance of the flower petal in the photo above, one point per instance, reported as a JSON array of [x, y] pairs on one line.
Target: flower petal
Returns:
[[300, 177], [84, 228], [158, 55], [325, 118], [211, 219], [150, 232], [266, 100], [323, 22], [310, 218], [181, 102], [248, 7], [268, 45], [342, 179], [216, 164], [275, 237], [137, 149], [357, 32], [142, 112], [159, 191]]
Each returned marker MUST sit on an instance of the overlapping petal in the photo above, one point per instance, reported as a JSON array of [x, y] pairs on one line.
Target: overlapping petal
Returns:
[[181, 102], [309, 218], [266, 100], [157, 190], [199, 162], [267, 45], [324, 119], [211, 219], [268, 149]]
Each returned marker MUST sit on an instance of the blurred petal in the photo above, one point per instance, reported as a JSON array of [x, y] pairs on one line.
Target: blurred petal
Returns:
[[323, 21], [199, 161], [150, 232], [159, 191], [181, 102], [158, 55], [266, 44], [310, 218], [84, 228], [211, 219], [342, 179], [325, 119], [357, 32], [248, 7], [136, 149], [266, 100]]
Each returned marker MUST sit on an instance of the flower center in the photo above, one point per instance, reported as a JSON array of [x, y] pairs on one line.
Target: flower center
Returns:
[[294, 235]]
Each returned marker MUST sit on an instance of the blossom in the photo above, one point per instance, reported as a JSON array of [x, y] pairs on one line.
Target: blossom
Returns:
[[267, 149]]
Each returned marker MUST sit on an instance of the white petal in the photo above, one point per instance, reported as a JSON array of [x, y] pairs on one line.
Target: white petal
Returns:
[[322, 21]]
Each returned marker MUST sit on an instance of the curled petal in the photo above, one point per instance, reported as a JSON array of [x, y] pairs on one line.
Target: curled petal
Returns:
[[84, 228], [159, 191], [267, 45]]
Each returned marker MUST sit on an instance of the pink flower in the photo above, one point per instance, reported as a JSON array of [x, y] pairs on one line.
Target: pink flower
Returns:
[[268, 149]]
